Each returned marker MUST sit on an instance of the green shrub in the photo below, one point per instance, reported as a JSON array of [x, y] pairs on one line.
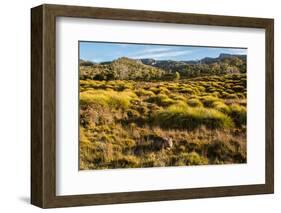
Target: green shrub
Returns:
[[231, 96], [208, 100], [192, 158], [129, 143], [230, 90], [163, 90], [240, 95], [238, 88], [177, 76], [107, 98], [186, 90], [155, 90], [83, 138], [132, 113], [177, 97], [161, 100], [193, 102], [125, 162], [184, 117], [238, 114], [225, 151], [143, 92], [220, 106]]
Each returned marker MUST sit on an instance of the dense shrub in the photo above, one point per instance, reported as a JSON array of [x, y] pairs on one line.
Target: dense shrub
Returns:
[[125, 162], [193, 102], [107, 98], [192, 158], [238, 114], [184, 117], [224, 151], [220, 106], [208, 100], [231, 96], [161, 100], [143, 92]]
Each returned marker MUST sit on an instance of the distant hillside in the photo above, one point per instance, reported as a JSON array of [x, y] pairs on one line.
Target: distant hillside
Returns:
[[122, 68], [181, 66], [221, 58], [86, 63], [151, 69], [206, 60]]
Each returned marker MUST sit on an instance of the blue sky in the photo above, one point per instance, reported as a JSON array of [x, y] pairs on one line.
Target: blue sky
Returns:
[[104, 51]]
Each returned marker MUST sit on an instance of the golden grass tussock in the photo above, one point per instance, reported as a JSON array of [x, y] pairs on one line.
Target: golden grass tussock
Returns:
[[184, 117], [107, 98]]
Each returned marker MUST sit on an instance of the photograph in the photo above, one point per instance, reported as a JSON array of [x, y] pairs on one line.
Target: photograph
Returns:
[[161, 105], [140, 105]]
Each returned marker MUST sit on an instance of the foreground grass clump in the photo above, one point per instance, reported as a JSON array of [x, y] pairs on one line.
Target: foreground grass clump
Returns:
[[209, 101], [184, 117], [221, 106], [107, 98], [192, 158], [161, 100], [238, 114], [193, 102], [220, 151]]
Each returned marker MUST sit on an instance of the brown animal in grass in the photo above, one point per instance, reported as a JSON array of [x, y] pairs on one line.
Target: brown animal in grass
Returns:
[[159, 143]]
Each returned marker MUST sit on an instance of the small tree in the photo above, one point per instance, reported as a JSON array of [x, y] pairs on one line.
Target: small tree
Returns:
[[177, 76]]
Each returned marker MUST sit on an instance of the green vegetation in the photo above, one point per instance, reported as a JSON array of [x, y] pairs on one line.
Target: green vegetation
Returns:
[[177, 76], [183, 117], [122, 69], [149, 69], [132, 115], [107, 98]]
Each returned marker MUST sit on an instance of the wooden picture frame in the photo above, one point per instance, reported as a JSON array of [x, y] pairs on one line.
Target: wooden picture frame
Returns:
[[43, 105]]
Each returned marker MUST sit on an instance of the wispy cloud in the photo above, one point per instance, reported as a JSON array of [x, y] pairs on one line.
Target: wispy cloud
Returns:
[[122, 45], [164, 54], [159, 52], [156, 50], [237, 51]]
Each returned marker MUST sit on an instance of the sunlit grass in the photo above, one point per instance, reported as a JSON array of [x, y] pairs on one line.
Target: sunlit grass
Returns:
[[184, 117], [107, 98]]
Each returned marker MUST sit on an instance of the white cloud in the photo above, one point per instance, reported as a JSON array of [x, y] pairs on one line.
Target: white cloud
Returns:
[[163, 54], [238, 51], [159, 52]]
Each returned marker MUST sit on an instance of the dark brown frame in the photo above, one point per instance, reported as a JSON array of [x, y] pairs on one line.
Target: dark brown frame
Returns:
[[43, 105]]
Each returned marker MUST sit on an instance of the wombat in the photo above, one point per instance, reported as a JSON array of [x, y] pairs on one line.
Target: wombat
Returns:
[[159, 143]]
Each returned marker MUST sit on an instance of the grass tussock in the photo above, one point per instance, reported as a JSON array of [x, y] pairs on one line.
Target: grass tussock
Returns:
[[184, 117], [107, 98], [160, 100], [193, 102]]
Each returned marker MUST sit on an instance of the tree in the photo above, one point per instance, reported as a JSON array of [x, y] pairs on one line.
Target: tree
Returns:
[[177, 76]]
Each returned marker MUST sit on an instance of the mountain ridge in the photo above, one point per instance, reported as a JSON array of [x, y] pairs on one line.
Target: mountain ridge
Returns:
[[151, 69], [149, 61]]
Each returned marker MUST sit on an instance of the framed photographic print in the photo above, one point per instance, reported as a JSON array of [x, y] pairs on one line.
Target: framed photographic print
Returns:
[[136, 106]]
